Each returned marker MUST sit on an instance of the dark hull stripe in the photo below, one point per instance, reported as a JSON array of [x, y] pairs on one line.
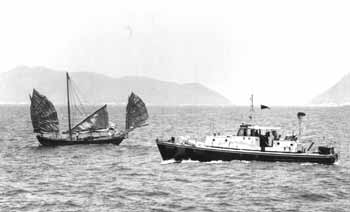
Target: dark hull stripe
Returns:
[[45, 141], [183, 152]]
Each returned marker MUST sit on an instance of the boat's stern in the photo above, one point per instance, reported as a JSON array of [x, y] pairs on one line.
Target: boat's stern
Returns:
[[330, 152], [336, 157]]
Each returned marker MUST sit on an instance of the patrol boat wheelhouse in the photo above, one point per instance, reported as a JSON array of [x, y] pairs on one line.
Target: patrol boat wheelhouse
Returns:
[[251, 142]]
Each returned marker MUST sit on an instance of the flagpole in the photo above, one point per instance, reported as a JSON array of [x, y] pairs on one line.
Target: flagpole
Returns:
[[299, 136], [251, 117]]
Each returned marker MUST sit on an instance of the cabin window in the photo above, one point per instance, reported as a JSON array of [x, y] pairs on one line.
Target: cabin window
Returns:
[[250, 132], [240, 132], [245, 133], [274, 134], [254, 132]]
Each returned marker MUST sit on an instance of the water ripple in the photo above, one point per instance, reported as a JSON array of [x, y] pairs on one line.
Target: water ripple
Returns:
[[132, 177]]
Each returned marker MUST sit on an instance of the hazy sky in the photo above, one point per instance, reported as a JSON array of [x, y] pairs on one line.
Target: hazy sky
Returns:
[[285, 52]]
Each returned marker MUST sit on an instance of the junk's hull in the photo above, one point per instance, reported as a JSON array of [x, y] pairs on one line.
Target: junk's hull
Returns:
[[49, 141], [178, 152]]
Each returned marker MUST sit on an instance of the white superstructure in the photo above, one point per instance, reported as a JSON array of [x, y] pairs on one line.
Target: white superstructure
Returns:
[[251, 137]]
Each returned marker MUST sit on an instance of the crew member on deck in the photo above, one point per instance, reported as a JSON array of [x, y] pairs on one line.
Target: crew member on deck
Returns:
[[263, 141]]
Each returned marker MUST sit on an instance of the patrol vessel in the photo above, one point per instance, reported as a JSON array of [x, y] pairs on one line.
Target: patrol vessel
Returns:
[[252, 142]]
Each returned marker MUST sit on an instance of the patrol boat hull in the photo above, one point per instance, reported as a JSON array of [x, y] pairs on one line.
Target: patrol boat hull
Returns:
[[48, 141], [179, 152]]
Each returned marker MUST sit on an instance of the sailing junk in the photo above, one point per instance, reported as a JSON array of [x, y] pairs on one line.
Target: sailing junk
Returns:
[[94, 129]]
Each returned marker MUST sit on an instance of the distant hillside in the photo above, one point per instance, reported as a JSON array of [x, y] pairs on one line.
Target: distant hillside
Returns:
[[15, 85], [339, 94]]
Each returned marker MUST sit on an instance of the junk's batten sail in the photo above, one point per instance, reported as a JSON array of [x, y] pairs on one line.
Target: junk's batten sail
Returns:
[[136, 112], [96, 121], [43, 114]]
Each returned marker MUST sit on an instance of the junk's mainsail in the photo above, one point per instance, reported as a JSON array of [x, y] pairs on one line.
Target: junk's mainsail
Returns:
[[43, 114], [95, 121], [136, 112]]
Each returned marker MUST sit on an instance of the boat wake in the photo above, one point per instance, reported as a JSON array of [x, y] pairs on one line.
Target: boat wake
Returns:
[[216, 161], [308, 164], [168, 162], [245, 161], [196, 161], [313, 164], [184, 161]]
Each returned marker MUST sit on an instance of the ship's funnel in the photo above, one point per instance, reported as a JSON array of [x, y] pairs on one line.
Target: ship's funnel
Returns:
[[300, 116]]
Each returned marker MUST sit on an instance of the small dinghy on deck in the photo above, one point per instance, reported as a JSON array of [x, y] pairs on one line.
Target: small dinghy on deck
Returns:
[[251, 142], [94, 129]]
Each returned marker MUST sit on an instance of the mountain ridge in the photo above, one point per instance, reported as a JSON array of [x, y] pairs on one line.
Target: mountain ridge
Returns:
[[338, 94], [16, 84]]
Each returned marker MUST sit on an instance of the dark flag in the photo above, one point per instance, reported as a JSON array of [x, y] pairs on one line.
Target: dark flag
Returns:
[[301, 115], [262, 107]]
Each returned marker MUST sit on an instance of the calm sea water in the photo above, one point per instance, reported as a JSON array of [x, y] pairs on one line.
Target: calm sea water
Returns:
[[132, 176]]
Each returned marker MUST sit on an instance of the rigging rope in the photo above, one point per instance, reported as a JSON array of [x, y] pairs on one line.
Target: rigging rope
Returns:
[[79, 93], [79, 106], [73, 99], [78, 100]]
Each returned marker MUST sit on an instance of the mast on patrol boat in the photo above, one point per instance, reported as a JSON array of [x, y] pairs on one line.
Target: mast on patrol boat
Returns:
[[251, 111]]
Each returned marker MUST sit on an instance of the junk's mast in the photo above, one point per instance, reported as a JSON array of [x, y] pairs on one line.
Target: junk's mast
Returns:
[[68, 105]]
